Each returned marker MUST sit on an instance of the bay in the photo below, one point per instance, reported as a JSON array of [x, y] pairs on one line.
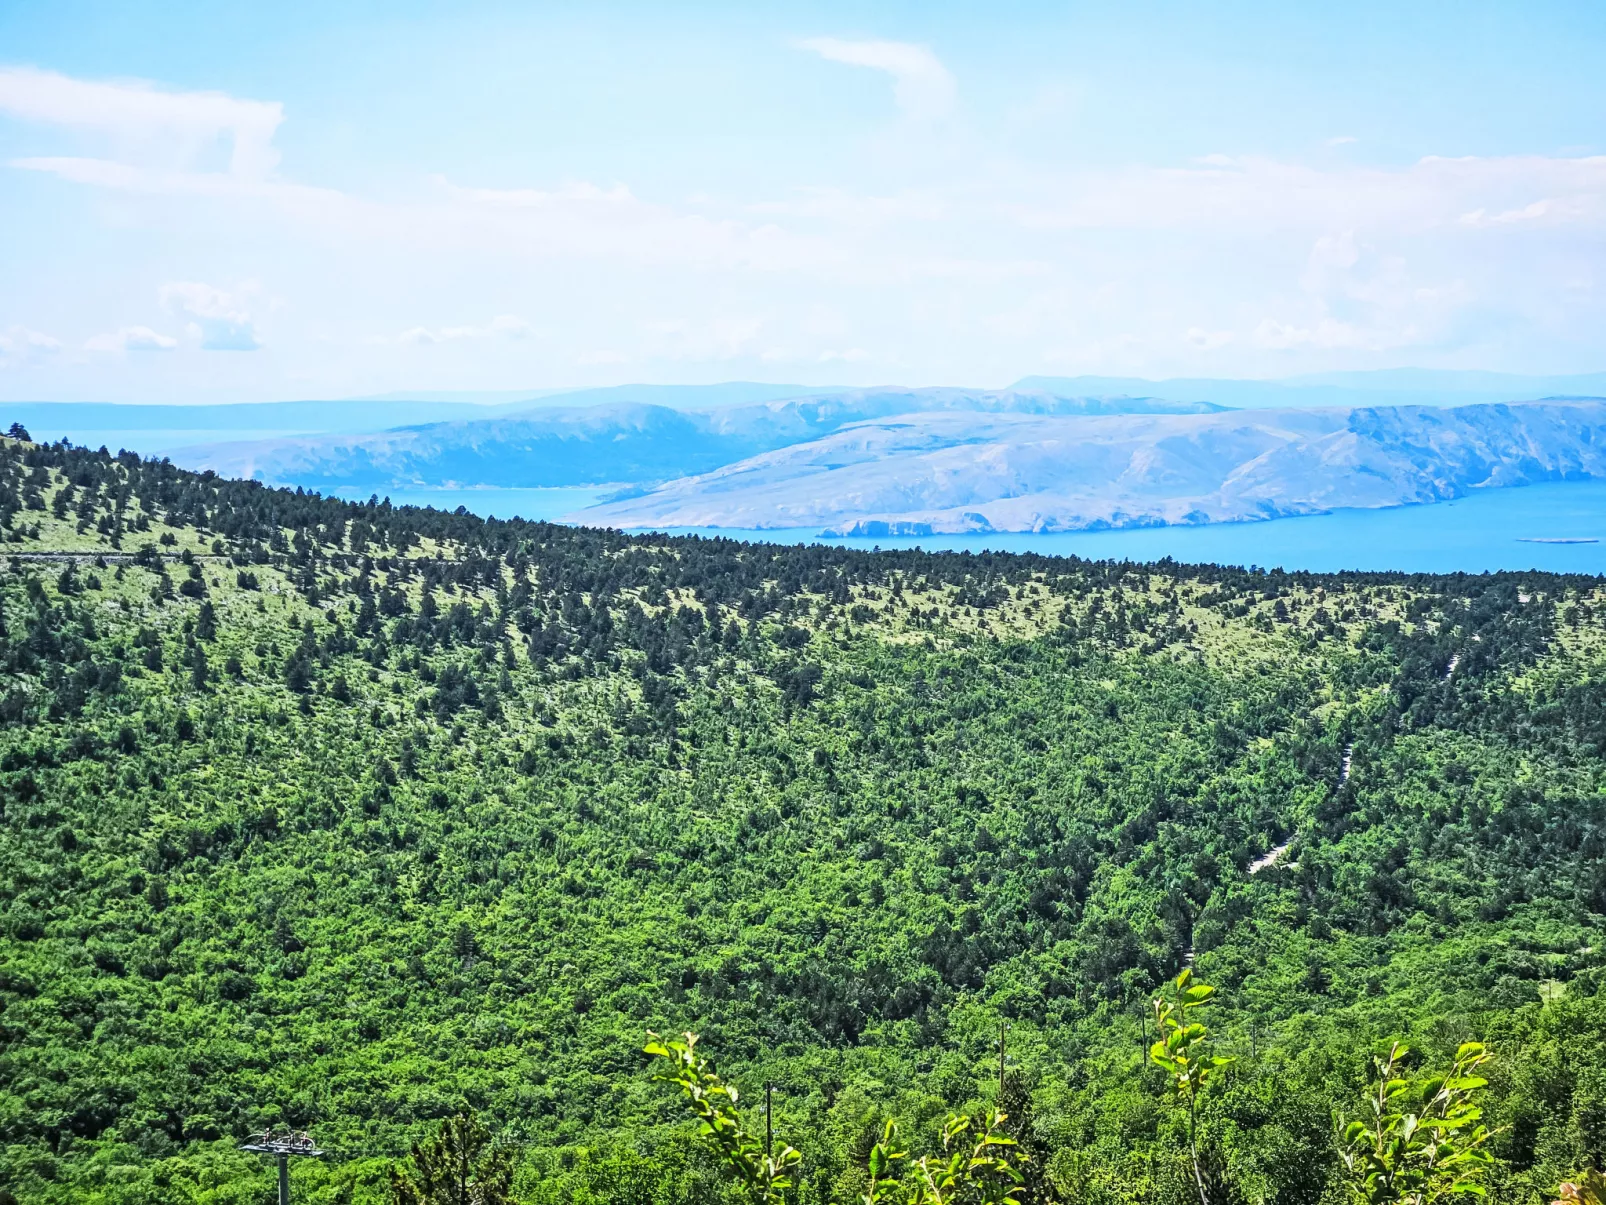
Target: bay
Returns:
[[1487, 530]]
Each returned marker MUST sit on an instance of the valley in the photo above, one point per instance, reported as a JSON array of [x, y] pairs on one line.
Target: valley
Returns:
[[347, 817]]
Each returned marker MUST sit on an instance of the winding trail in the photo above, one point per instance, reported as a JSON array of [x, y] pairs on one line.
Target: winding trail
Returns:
[[1270, 858], [1274, 856]]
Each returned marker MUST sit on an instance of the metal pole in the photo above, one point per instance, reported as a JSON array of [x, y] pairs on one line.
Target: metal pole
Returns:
[[1002, 1026], [281, 1149]]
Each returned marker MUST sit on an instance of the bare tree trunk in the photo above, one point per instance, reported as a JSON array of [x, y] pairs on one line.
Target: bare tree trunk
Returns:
[[1193, 1151]]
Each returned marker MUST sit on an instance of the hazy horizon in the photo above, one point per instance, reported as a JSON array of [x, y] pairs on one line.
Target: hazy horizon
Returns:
[[1401, 379]]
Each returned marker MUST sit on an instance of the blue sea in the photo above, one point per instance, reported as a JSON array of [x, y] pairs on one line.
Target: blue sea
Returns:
[[1490, 529]]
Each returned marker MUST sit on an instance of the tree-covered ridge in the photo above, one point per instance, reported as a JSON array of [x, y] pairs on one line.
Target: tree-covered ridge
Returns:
[[347, 816]]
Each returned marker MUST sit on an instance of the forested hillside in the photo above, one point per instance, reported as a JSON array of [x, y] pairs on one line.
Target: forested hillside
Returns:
[[350, 817]]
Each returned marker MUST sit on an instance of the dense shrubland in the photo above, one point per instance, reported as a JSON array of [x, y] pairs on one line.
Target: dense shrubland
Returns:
[[352, 818]]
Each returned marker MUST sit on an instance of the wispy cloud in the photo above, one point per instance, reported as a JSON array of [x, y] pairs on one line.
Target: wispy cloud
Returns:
[[220, 320], [1203, 340], [132, 338], [837, 205], [992, 258], [20, 345], [922, 85], [583, 220], [1328, 334], [147, 122], [1551, 209], [1249, 194], [577, 220], [505, 326], [725, 337]]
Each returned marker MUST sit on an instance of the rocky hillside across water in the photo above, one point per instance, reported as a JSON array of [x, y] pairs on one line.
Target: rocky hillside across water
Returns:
[[623, 442], [927, 473]]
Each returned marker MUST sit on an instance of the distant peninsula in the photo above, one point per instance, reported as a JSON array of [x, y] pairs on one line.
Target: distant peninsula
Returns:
[[961, 472]]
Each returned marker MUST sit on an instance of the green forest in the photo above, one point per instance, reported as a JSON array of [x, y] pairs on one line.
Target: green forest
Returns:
[[373, 821]]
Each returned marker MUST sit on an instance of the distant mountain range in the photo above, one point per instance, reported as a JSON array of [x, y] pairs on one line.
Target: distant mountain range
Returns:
[[181, 431], [189, 432], [627, 443], [928, 473], [1046, 453], [1383, 387]]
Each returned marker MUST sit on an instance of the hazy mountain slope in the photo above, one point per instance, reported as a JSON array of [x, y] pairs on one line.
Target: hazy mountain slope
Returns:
[[1381, 387], [163, 428], [1027, 472], [723, 393], [178, 430], [566, 446], [629, 442]]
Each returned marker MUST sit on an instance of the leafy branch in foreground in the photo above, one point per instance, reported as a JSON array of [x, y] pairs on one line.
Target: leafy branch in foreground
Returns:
[[1400, 1157], [972, 1173], [973, 1169], [1183, 1050], [765, 1174], [1588, 1189]]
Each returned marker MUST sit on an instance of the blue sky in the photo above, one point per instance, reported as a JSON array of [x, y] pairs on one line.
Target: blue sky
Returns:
[[229, 201]]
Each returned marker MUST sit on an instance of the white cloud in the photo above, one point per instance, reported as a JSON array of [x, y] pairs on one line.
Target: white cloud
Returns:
[[511, 327], [969, 270], [1342, 140], [161, 139], [132, 338], [836, 205], [719, 338], [1262, 195], [1328, 334], [1204, 340], [219, 319], [147, 122], [1551, 210], [578, 221], [506, 326], [583, 220], [922, 85], [732, 335], [19, 345], [1330, 261]]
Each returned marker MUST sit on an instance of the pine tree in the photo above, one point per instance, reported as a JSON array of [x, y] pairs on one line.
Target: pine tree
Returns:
[[456, 1167], [1015, 1102]]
